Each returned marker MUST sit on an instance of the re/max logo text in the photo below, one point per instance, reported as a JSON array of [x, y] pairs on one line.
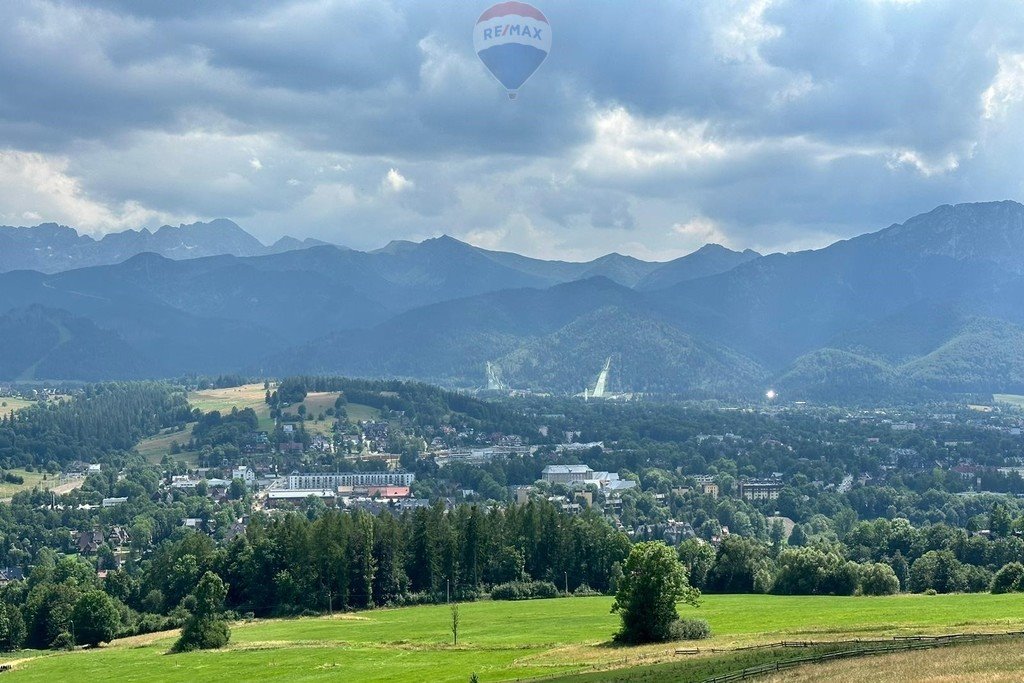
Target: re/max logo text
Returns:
[[512, 30]]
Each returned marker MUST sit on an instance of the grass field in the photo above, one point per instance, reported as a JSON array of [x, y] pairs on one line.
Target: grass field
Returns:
[[1012, 399], [32, 479], [977, 662], [357, 412], [156, 447], [316, 402], [9, 403], [246, 396], [503, 641]]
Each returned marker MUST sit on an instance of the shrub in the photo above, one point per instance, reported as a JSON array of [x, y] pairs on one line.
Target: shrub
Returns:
[[878, 579], [1008, 579], [205, 628], [203, 634], [931, 591], [690, 629], [63, 641], [524, 590], [585, 591]]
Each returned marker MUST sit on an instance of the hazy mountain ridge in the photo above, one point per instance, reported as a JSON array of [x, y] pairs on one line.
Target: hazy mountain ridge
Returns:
[[52, 248], [934, 304]]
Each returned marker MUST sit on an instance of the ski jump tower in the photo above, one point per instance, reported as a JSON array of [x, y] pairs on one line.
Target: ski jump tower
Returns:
[[602, 381], [494, 382]]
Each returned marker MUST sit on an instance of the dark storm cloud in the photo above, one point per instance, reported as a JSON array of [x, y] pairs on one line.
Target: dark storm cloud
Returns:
[[770, 123]]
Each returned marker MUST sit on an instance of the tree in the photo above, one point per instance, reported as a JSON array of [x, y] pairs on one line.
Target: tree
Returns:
[[698, 557], [999, 521], [238, 489], [878, 579], [799, 536], [653, 582], [12, 628], [96, 618], [1008, 579], [455, 623], [205, 629], [737, 563], [938, 570]]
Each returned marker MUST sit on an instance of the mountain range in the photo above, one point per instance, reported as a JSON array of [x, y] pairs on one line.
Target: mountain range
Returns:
[[52, 248], [930, 306]]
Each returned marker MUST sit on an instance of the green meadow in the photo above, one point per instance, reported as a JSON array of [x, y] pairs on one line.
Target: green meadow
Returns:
[[501, 641]]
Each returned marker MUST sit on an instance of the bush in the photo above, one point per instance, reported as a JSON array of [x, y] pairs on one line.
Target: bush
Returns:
[[524, 590], [205, 628], [1008, 579], [878, 579], [203, 634], [585, 591], [63, 641], [931, 591], [690, 629]]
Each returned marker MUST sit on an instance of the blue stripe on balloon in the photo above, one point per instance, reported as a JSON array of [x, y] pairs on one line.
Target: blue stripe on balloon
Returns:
[[512, 63]]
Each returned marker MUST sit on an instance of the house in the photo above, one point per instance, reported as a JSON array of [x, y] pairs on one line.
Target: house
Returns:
[[388, 492], [89, 541], [111, 502], [94, 468], [118, 537], [198, 524], [9, 574], [566, 474], [522, 493], [236, 529], [707, 485], [244, 473]]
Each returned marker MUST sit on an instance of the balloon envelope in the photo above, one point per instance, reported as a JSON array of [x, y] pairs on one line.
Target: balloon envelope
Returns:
[[512, 39]]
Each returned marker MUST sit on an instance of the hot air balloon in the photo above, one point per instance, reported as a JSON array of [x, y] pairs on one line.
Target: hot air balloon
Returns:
[[512, 39]]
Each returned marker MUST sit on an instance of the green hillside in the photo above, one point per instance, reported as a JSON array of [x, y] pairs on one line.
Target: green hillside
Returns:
[[506, 641]]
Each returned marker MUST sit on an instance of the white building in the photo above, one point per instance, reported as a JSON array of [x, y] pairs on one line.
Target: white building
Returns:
[[319, 480], [244, 473], [566, 474]]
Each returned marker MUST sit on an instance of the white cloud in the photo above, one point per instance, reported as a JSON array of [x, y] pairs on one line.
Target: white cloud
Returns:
[[628, 145], [926, 167], [395, 182], [699, 231], [256, 164], [742, 29], [36, 187], [1007, 88]]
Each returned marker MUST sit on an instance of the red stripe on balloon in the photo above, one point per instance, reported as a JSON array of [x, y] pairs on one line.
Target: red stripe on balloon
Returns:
[[518, 8]]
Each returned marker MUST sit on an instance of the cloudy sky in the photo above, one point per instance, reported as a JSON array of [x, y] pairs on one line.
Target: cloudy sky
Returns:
[[651, 129]]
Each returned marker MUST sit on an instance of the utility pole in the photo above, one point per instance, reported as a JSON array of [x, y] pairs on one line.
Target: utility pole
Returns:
[[447, 590], [567, 583]]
